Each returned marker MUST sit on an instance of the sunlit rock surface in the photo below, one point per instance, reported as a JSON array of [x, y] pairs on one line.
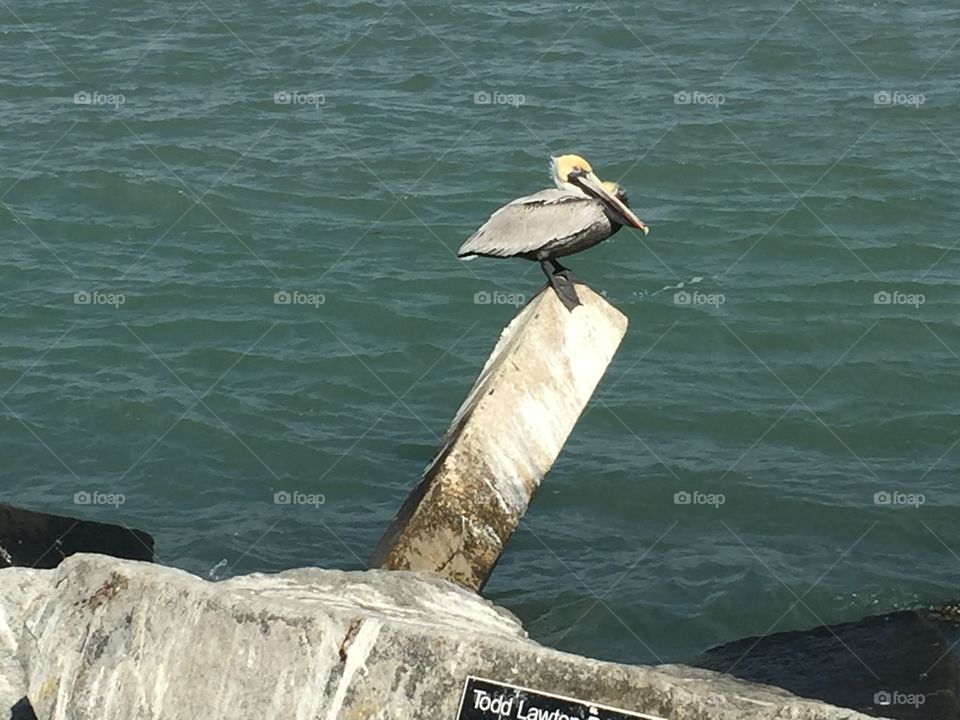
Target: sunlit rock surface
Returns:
[[104, 638]]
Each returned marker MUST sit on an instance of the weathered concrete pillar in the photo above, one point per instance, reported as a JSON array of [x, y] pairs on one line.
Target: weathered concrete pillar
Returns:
[[504, 439]]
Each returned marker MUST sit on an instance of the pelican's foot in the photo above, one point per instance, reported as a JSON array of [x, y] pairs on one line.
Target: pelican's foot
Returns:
[[565, 291], [562, 282]]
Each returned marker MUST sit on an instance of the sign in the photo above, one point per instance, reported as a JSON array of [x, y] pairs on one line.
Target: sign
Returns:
[[491, 700]]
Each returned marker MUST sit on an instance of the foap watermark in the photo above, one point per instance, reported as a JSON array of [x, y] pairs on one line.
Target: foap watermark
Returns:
[[696, 497], [498, 298], [896, 98], [283, 497], [96, 297], [696, 97], [899, 499], [698, 298], [98, 98], [499, 98], [98, 498], [296, 97], [895, 297], [885, 698], [295, 297]]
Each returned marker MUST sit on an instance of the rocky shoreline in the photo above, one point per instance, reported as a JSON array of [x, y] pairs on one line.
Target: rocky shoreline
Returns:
[[101, 637]]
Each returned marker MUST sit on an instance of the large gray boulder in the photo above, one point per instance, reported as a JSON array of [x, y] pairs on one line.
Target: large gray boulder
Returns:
[[21, 591], [103, 638]]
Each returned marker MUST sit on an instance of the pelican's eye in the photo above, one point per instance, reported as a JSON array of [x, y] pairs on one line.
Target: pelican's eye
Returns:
[[577, 172]]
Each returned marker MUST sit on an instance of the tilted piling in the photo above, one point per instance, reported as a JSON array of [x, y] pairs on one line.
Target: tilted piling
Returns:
[[504, 439]]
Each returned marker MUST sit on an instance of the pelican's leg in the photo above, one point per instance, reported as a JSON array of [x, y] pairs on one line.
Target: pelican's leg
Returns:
[[560, 281], [563, 272]]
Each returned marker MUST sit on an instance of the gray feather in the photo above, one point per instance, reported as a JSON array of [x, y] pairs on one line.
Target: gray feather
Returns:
[[536, 222]]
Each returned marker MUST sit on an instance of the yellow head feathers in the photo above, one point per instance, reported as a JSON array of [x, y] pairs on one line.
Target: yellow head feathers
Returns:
[[562, 166]]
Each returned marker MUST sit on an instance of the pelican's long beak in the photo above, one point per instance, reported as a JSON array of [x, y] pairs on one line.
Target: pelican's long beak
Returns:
[[592, 185]]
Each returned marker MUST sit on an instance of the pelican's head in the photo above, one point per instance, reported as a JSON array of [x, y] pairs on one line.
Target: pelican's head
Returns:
[[574, 174], [565, 166]]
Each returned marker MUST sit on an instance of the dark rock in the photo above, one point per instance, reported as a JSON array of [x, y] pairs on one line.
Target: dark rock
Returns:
[[22, 710], [39, 540], [899, 665]]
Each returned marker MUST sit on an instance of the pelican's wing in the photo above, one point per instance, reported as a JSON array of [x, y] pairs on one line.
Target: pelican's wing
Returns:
[[529, 223]]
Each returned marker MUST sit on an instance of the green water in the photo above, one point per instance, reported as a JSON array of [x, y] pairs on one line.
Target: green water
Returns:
[[785, 194]]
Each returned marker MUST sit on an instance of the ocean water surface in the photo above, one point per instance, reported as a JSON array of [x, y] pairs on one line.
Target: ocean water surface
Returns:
[[774, 446]]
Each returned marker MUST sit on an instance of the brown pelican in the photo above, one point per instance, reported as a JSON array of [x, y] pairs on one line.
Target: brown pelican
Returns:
[[579, 213]]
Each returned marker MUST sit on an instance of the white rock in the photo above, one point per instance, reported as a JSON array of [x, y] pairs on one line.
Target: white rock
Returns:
[[116, 639]]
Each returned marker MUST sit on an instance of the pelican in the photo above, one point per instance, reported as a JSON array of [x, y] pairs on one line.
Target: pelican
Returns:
[[580, 212]]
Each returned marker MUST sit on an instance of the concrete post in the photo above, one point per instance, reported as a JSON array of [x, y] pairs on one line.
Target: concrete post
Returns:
[[504, 439]]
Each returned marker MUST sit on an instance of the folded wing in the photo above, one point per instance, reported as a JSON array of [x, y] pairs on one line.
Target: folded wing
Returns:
[[533, 222]]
